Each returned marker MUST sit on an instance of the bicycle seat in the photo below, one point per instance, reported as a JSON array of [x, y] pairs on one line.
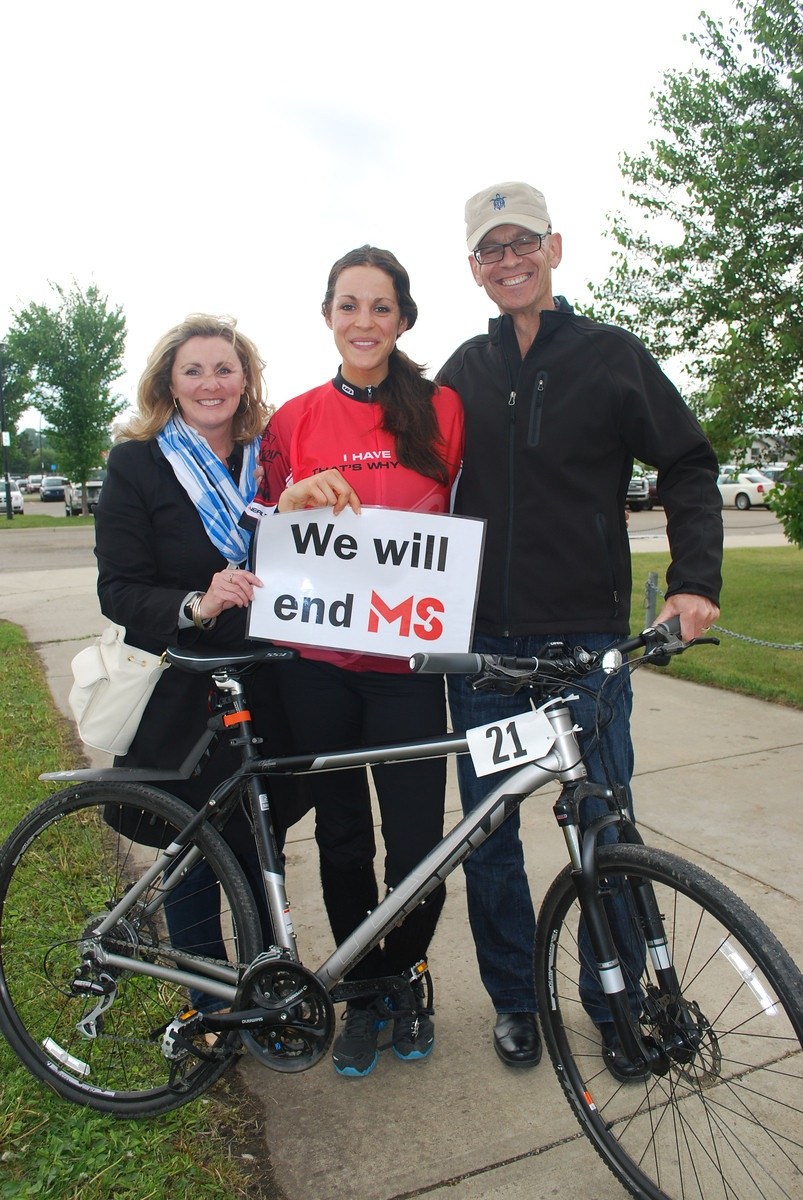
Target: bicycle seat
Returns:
[[201, 660]]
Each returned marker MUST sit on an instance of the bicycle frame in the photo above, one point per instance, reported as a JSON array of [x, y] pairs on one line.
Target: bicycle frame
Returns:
[[670, 1012], [561, 763]]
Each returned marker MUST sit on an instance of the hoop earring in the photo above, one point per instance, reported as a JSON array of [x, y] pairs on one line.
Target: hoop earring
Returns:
[[176, 404]]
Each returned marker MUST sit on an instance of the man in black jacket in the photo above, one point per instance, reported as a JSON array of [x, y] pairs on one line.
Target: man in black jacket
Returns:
[[557, 407]]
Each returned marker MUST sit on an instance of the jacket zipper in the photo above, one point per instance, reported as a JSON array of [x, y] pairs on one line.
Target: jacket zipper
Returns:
[[511, 404], [537, 409], [535, 431]]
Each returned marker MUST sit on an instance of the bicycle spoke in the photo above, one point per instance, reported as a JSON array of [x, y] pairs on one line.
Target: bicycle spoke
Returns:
[[724, 1119], [92, 1030]]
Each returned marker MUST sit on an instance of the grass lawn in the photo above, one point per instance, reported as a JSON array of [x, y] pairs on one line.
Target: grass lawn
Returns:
[[211, 1148], [42, 521], [762, 599]]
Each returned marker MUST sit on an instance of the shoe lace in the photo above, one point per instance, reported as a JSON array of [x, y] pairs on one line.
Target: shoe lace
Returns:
[[359, 1023]]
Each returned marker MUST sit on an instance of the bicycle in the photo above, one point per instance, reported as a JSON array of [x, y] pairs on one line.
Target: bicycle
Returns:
[[102, 884]]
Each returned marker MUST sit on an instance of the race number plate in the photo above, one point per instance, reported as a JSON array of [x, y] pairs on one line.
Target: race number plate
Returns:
[[510, 742]]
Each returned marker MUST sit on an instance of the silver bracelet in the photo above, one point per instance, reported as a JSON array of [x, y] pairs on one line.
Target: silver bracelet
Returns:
[[195, 612]]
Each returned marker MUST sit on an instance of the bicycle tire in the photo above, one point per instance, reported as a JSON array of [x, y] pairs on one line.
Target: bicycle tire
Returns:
[[65, 866], [725, 1120]]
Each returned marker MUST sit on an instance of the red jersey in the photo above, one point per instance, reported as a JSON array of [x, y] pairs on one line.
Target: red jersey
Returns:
[[337, 425]]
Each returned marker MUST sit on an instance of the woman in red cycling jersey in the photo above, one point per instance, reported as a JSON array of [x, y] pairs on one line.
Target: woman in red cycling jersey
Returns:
[[378, 402]]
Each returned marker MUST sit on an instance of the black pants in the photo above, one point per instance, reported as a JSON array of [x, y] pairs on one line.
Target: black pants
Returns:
[[330, 708]]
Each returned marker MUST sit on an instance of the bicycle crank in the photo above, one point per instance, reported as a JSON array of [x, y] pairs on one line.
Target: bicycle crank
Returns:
[[297, 1030]]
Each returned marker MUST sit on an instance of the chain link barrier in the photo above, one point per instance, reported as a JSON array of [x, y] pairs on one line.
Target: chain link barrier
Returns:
[[742, 637], [652, 592]]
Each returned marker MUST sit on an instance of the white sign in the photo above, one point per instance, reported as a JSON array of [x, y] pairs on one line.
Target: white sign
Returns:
[[384, 582], [510, 742]]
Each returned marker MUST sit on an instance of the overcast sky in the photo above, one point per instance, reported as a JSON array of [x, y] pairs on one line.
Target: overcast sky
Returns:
[[189, 156]]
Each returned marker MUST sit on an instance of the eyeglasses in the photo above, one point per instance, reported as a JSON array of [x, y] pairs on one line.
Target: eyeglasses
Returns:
[[527, 243]]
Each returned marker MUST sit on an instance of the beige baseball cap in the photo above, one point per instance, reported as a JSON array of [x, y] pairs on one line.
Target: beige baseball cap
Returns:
[[505, 204]]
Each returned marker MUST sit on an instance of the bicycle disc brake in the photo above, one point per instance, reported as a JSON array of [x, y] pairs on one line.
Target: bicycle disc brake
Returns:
[[686, 1040], [299, 1028]]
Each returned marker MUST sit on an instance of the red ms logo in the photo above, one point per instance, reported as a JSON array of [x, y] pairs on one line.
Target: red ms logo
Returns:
[[427, 626]]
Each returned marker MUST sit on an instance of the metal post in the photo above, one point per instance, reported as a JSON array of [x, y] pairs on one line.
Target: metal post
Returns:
[[650, 598], [6, 438]]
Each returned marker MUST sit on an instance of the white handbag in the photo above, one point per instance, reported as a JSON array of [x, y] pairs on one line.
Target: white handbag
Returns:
[[113, 684]]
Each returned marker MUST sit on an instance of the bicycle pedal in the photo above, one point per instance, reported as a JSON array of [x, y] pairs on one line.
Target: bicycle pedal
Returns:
[[175, 1038], [417, 971]]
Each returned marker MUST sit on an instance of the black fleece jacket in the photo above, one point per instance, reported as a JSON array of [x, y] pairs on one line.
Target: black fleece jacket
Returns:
[[550, 444]]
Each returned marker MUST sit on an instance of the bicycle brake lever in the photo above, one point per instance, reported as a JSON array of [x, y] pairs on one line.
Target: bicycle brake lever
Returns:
[[504, 680]]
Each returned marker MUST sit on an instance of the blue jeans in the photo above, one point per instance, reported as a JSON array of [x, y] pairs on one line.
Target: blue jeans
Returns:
[[500, 907]]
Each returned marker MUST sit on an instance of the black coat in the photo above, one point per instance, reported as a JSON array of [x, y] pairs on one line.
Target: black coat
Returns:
[[550, 444], [152, 549]]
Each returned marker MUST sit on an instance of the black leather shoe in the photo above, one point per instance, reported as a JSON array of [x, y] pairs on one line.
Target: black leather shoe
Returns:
[[623, 1069], [517, 1040]]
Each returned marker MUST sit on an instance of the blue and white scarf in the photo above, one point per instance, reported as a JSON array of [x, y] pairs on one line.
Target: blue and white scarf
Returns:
[[207, 482]]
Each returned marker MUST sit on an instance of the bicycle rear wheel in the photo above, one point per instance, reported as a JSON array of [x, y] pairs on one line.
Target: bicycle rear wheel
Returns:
[[62, 870], [726, 1119]]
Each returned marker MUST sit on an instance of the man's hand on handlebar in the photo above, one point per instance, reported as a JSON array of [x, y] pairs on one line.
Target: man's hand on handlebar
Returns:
[[697, 614]]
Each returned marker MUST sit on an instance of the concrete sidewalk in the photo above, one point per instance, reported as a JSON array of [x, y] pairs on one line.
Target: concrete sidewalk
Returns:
[[716, 781]]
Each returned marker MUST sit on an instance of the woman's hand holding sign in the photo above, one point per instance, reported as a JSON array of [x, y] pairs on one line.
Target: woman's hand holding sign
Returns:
[[326, 489]]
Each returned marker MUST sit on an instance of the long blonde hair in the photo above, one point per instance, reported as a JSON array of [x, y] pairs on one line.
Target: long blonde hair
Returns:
[[155, 398]]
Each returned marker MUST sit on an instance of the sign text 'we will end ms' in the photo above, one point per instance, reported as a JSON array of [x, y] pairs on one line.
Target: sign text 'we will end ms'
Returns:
[[384, 582]]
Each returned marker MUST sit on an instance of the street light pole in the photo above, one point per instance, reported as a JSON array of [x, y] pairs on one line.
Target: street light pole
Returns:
[[6, 438]]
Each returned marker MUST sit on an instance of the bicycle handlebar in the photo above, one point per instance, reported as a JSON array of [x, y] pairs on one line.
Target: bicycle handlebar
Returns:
[[510, 674], [448, 664]]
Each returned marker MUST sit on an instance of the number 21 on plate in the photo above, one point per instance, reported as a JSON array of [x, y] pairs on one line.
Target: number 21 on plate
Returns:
[[510, 742]]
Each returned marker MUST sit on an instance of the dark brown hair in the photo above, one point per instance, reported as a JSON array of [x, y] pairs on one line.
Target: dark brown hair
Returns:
[[405, 396]]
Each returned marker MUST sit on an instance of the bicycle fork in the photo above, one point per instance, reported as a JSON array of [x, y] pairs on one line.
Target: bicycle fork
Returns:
[[663, 1002]]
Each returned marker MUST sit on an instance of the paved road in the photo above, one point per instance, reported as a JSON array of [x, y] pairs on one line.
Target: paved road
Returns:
[[22, 552], [756, 527]]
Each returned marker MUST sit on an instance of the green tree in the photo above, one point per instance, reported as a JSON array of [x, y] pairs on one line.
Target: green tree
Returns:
[[25, 457], [786, 500], [709, 266], [66, 359]]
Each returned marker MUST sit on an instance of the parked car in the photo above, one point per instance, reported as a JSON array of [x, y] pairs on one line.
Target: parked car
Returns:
[[745, 489], [52, 488], [638, 494], [33, 484], [73, 505], [17, 502], [652, 484], [777, 472]]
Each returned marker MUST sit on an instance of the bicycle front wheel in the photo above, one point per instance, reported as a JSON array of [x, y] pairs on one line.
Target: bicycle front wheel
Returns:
[[95, 1033], [725, 1118]]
